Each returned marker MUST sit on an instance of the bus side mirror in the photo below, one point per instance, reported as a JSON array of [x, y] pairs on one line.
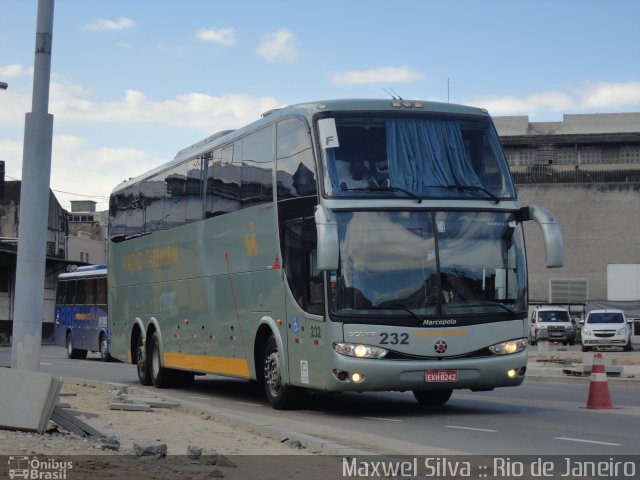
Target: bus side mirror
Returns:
[[328, 243], [551, 234]]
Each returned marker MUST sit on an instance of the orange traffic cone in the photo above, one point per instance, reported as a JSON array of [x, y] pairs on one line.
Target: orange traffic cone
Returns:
[[598, 387]]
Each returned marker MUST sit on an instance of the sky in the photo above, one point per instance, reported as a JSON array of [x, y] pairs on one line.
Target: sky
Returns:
[[134, 81]]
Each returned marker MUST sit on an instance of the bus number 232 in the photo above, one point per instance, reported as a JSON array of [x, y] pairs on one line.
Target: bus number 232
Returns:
[[394, 338]]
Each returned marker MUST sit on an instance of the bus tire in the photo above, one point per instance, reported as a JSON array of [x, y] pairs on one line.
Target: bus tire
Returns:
[[432, 397], [160, 377], [279, 395], [74, 353], [142, 363], [103, 345]]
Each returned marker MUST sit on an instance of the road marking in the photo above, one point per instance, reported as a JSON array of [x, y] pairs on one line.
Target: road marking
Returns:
[[249, 404], [471, 428], [200, 398], [311, 411], [581, 440], [43, 363], [383, 419]]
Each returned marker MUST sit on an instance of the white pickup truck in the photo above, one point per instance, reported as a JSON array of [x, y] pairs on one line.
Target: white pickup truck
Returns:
[[550, 323]]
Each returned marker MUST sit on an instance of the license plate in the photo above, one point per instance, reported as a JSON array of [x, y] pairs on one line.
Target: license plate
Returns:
[[441, 376]]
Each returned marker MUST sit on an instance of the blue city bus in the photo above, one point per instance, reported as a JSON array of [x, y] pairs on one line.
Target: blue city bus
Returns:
[[81, 312]]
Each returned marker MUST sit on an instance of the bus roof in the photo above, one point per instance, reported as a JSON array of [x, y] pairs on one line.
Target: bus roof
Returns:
[[308, 110], [85, 271]]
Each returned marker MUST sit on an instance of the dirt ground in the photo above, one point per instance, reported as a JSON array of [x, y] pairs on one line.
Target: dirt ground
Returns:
[[178, 428]]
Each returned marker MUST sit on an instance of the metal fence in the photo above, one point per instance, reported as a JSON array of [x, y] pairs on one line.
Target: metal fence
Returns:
[[576, 174]]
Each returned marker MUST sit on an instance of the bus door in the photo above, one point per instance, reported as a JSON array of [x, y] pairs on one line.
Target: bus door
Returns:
[[304, 304]]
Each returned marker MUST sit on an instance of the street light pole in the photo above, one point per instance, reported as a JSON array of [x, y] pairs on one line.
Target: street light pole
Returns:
[[34, 205]]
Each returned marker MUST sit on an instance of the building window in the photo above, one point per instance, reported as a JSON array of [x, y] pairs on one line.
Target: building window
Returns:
[[512, 156], [527, 156], [566, 156], [630, 154], [4, 279], [590, 154]]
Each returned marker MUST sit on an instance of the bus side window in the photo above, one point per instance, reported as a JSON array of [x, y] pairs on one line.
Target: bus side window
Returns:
[[60, 297], [101, 294], [91, 291], [70, 293], [81, 292]]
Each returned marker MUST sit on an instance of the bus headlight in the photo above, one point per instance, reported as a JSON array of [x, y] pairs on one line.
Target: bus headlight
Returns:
[[509, 347], [359, 350]]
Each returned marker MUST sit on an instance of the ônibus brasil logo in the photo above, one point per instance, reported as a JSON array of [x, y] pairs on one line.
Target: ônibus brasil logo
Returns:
[[36, 469], [440, 346]]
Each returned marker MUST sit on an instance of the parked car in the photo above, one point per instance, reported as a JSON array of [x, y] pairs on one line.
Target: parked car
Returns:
[[606, 328], [549, 323]]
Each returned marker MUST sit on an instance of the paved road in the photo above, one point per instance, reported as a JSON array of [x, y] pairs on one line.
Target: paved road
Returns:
[[538, 418]]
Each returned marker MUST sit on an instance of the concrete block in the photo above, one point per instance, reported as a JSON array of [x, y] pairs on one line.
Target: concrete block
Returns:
[[133, 407], [27, 399]]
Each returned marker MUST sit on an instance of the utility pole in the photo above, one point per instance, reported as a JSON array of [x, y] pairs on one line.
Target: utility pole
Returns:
[[34, 204]]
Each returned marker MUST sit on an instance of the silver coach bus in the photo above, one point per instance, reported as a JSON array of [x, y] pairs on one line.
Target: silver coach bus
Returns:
[[344, 245]]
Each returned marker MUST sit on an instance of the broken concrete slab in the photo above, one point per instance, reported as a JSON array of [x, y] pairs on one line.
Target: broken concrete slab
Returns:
[[150, 449], [27, 398], [132, 407], [151, 401], [73, 424]]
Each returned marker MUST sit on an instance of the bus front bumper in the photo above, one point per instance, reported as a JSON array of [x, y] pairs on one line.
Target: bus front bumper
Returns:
[[481, 373]]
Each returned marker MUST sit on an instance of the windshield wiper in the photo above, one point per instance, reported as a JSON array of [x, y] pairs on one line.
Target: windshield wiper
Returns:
[[382, 189], [487, 303], [467, 187], [400, 306]]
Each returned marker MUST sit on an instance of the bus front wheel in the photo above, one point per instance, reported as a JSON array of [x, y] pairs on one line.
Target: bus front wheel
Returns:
[[74, 353], [142, 365], [103, 343], [433, 397], [279, 395]]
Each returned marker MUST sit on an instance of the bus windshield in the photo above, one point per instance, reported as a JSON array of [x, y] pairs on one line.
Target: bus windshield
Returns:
[[423, 157], [417, 263]]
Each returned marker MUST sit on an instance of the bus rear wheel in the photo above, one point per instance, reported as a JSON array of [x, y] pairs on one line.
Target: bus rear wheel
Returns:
[[160, 377], [142, 365], [279, 395], [74, 353], [433, 397]]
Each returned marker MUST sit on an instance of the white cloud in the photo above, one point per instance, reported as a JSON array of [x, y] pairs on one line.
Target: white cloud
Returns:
[[600, 97], [612, 95], [124, 45], [377, 75], [199, 111], [107, 25], [280, 46], [222, 36], [15, 70], [528, 105], [97, 169]]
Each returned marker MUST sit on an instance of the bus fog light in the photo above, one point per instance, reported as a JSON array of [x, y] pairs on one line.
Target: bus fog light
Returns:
[[509, 347], [357, 377], [513, 373]]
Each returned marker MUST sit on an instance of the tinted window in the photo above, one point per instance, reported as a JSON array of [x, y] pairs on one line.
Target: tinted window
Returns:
[[81, 292], [101, 291], [91, 291], [70, 292], [60, 296], [295, 175]]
